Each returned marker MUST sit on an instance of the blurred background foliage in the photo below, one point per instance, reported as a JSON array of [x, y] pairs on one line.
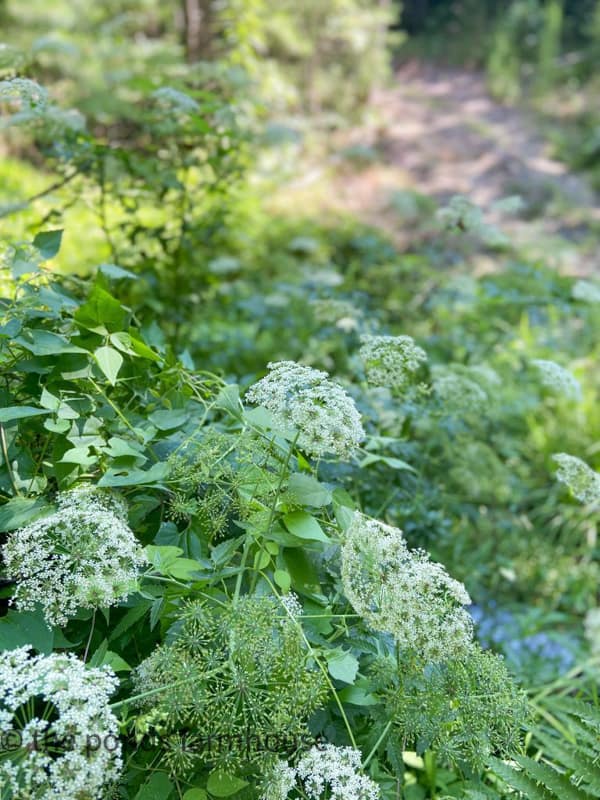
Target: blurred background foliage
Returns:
[[180, 200]]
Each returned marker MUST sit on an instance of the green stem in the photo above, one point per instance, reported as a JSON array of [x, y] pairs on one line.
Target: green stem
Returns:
[[377, 744]]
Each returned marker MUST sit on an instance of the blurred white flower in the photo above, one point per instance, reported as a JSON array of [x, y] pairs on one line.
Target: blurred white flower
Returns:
[[391, 360], [581, 479], [586, 291], [591, 626], [558, 379]]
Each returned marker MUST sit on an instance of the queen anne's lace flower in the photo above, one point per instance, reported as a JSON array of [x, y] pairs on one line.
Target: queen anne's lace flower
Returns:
[[326, 771], [557, 379], [340, 313], [403, 593], [303, 399], [292, 604], [391, 360], [62, 734], [26, 94], [581, 479], [458, 392], [82, 556]]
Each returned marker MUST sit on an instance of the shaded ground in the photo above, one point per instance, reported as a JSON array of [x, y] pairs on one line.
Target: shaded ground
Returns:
[[438, 133]]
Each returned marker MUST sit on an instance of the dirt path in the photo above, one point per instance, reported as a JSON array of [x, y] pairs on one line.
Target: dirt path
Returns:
[[438, 133]]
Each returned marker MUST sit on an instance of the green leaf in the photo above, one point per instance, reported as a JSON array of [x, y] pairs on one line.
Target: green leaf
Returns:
[[357, 696], [157, 787], [131, 617], [133, 477], [343, 666], [20, 511], [307, 491], [48, 243], [110, 362], [115, 272], [283, 579], [220, 784], [395, 463], [195, 794], [78, 455], [19, 628], [304, 526], [101, 312], [46, 343], [168, 419], [115, 661], [11, 413]]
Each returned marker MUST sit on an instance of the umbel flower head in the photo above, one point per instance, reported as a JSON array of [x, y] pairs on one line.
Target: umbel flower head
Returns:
[[82, 556], [459, 392], [557, 379], [63, 736], [325, 771], [581, 479], [304, 400], [391, 360], [401, 592]]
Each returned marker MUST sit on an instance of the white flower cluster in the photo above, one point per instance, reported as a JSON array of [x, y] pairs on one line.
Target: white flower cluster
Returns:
[[557, 379], [292, 604], [586, 291], [82, 556], [401, 592], [581, 479], [173, 100], [26, 94], [591, 626], [326, 771], [304, 400], [56, 720], [391, 360], [457, 392]]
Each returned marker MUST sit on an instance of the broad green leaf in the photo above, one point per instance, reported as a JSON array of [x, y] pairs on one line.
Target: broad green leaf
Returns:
[[79, 455], [110, 362], [20, 412], [195, 794], [132, 477], [307, 491], [304, 526], [157, 787], [357, 696], [115, 272], [168, 419], [343, 666], [220, 784], [19, 628], [283, 579], [20, 511], [46, 343], [115, 661], [395, 463], [131, 617], [101, 312], [48, 243]]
